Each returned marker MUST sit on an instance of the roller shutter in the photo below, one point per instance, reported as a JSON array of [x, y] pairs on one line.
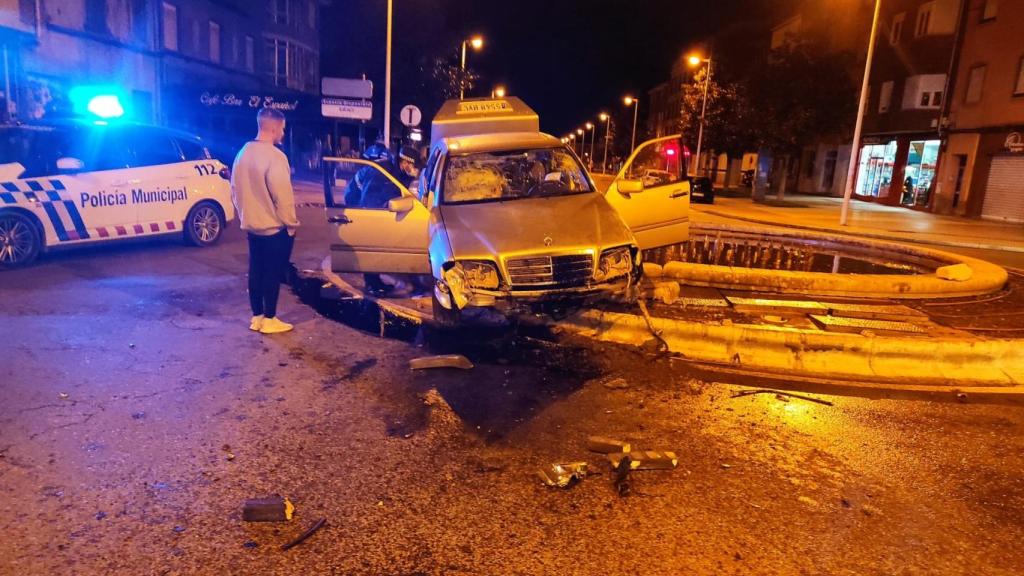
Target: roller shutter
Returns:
[[1004, 193]]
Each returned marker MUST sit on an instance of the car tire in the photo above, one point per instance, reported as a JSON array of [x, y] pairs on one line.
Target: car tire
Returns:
[[20, 240], [443, 317], [204, 224]]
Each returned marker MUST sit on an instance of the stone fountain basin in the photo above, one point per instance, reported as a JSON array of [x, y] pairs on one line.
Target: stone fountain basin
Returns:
[[910, 272]]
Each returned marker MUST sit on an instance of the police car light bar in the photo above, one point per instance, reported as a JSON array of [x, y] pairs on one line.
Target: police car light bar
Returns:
[[103, 102]]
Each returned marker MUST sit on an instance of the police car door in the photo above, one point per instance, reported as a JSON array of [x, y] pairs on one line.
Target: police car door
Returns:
[[373, 238], [94, 165], [159, 185], [652, 193]]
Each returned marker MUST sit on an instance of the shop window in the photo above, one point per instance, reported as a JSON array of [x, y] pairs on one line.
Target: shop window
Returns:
[[885, 97], [1018, 87], [988, 13], [170, 29], [874, 174], [919, 173], [975, 82], [924, 19], [896, 30], [214, 42]]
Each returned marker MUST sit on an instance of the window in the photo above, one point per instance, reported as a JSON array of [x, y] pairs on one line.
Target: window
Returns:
[[924, 19], [923, 91], [897, 28], [1018, 87], [937, 98], [925, 99], [975, 81], [170, 26], [214, 42], [250, 54], [828, 178], [153, 148], [517, 174], [988, 13], [279, 11], [192, 149], [885, 97]]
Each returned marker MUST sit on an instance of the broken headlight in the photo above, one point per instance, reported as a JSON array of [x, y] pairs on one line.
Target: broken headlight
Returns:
[[614, 263], [481, 274]]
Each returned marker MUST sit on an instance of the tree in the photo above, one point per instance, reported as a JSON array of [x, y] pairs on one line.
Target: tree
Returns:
[[726, 126], [801, 92]]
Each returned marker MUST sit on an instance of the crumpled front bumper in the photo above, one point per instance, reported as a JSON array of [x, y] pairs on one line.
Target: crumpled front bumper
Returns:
[[510, 301]]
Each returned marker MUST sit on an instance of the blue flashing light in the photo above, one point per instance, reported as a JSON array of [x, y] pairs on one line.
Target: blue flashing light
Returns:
[[105, 106], [102, 102]]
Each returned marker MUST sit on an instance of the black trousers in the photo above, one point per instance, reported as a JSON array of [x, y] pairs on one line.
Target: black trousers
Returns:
[[268, 265]]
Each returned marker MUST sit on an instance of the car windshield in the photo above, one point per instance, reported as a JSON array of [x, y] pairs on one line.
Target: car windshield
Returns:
[[511, 175]]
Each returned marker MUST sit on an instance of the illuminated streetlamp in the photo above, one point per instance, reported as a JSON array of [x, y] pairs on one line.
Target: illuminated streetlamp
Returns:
[[607, 119], [593, 135], [477, 42], [695, 61], [498, 92], [572, 138], [851, 172], [630, 101], [583, 140]]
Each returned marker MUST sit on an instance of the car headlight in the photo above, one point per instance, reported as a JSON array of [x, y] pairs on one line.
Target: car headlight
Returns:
[[481, 274], [614, 263]]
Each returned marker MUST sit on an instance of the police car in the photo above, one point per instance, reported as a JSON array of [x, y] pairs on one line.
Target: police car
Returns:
[[75, 182]]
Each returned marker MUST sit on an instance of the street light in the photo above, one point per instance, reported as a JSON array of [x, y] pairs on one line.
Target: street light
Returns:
[[387, 83], [851, 172], [477, 42], [607, 119], [630, 101], [695, 61], [593, 135], [498, 92], [583, 140]]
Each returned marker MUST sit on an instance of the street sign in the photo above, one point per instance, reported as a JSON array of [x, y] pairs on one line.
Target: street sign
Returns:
[[346, 108], [410, 116], [347, 87]]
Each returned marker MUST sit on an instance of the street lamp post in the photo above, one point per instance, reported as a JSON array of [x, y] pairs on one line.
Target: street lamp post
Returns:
[[851, 172], [697, 61], [630, 101], [607, 119], [593, 136], [572, 138], [387, 84], [477, 42], [498, 92], [583, 140]]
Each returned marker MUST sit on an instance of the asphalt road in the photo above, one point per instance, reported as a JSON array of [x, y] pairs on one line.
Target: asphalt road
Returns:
[[139, 413]]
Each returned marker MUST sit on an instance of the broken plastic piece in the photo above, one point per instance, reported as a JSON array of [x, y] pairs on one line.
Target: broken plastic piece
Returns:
[[444, 361], [955, 272], [302, 537], [273, 509], [563, 475], [603, 445], [646, 460]]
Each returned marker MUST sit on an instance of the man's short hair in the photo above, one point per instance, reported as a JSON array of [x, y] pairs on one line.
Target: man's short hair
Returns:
[[269, 115]]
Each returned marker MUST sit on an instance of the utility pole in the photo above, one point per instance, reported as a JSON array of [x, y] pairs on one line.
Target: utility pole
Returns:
[[851, 172], [387, 82]]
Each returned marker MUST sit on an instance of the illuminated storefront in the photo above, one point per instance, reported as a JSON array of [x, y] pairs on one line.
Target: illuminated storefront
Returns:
[[874, 173], [898, 172]]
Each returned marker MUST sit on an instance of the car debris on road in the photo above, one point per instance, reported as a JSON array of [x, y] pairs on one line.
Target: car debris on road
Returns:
[[563, 475], [272, 509], [442, 361], [603, 445], [645, 459]]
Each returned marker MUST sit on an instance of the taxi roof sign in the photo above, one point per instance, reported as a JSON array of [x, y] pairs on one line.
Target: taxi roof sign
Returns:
[[474, 116]]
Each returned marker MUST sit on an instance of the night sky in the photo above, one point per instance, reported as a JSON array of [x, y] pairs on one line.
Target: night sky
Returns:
[[567, 59]]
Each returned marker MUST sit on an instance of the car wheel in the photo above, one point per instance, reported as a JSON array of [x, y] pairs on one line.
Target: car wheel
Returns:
[[444, 317], [204, 224], [20, 241]]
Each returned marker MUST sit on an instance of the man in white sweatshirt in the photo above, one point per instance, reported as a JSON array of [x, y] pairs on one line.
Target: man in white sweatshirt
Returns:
[[261, 188]]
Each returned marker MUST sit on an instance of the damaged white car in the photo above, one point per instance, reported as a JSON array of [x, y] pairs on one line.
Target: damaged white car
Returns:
[[506, 217]]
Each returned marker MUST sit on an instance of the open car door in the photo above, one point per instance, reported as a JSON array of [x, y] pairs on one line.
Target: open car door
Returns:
[[652, 193], [377, 225]]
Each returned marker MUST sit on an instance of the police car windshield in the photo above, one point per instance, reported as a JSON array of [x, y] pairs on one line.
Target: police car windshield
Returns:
[[512, 175]]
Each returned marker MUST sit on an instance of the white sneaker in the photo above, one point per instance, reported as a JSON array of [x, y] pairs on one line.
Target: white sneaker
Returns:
[[256, 323], [274, 326]]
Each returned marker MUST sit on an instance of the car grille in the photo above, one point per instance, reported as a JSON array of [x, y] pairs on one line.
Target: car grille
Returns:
[[566, 271]]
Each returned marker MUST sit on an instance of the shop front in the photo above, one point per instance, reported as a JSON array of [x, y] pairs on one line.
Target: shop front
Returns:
[[898, 171], [226, 120]]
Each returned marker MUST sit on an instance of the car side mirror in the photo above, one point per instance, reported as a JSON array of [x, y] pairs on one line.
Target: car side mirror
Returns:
[[70, 164], [401, 205], [630, 186]]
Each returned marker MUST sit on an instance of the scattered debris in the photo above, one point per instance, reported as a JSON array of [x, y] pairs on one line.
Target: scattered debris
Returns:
[[961, 397], [101, 515], [777, 393], [663, 347], [131, 345], [302, 537], [250, 544], [443, 361], [63, 395], [646, 460], [138, 415], [666, 292], [621, 477], [603, 445], [615, 384], [273, 509], [870, 510], [726, 466], [229, 454], [563, 475], [179, 529], [809, 501], [955, 272]]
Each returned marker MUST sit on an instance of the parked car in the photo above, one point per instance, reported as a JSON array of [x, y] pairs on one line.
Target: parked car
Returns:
[[75, 183], [508, 218], [702, 191]]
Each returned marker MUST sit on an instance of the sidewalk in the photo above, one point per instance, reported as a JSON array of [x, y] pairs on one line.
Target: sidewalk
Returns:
[[867, 220]]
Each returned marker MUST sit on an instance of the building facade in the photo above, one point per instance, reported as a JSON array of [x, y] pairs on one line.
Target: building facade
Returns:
[[982, 164], [205, 66]]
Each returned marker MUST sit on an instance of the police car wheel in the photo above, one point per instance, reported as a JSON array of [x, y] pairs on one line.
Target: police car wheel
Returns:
[[444, 317], [204, 224], [20, 241]]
